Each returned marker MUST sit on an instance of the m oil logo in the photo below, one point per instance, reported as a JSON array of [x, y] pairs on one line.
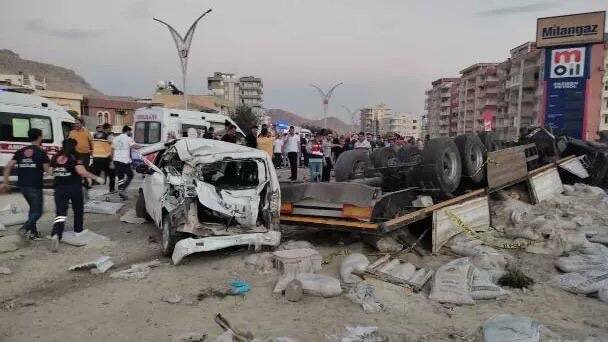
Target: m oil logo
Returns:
[[568, 62]]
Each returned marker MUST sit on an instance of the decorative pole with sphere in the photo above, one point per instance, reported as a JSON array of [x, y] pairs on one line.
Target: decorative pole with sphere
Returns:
[[325, 97], [183, 49]]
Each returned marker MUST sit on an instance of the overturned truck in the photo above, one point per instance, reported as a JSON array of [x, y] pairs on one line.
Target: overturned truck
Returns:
[[206, 195]]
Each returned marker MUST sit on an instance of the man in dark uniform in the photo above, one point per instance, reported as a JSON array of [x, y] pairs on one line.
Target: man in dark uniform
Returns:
[[252, 138], [31, 162], [230, 135]]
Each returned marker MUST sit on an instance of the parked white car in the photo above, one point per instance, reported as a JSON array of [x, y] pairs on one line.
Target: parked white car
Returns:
[[207, 194]]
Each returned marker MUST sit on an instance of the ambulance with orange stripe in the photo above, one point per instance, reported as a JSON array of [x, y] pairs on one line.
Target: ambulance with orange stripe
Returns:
[[18, 113]]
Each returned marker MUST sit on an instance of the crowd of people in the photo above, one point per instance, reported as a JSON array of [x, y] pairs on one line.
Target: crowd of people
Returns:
[[72, 170]]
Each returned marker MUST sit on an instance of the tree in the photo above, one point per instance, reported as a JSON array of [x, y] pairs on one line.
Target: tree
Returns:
[[245, 117]]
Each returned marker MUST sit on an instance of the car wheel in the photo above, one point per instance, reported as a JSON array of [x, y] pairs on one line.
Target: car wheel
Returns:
[[407, 153], [168, 237], [441, 166], [140, 207], [472, 155], [490, 141], [384, 157], [351, 164]]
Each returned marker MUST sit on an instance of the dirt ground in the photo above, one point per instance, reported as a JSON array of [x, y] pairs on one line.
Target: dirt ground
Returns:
[[42, 301]]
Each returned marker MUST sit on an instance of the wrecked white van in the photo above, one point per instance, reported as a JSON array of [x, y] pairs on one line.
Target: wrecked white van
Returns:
[[206, 195]]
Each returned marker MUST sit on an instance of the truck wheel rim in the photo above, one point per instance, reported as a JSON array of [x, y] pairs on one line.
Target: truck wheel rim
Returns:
[[449, 165], [476, 158]]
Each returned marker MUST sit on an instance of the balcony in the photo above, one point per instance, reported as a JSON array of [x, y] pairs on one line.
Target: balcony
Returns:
[[530, 83]]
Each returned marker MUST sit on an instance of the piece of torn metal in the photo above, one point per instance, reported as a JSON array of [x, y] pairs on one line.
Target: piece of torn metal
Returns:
[[100, 265], [189, 246], [396, 272], [575, 167]]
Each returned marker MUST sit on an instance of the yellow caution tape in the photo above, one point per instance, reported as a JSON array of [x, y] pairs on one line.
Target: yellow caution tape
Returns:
[[463, 227]]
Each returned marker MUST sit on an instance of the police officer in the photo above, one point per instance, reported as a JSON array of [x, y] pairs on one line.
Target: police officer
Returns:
[[68, 170], [31, 162], [102, 154]]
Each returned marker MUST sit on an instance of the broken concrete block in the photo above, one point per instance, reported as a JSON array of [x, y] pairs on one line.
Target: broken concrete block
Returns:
[[294, 291], [293, 261], [355, 262], [5, 270], [384, 244], [100, 265], [260, 262], [10, 243], [131, 217], [102, 207], [293, 244]]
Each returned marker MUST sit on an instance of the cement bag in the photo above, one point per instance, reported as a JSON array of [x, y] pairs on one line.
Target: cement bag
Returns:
[[511, 328], [452, 283], [603, 294], [575, 263], [355, 262], [494, 264], [13, 215], [599, 238], [319, 285], [585, 282], [482, 286], [594, 249]]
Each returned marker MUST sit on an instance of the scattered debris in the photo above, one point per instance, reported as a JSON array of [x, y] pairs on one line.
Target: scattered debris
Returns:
[[27, 302], [353, 264], [451, 283], [516, 279], [131, 217], [136, 271], [330, 257], [5, 270], [84, 238], [360, 333], [172, 299], [10, 243], [400, 273], [260, 262], [422, 201], [363, 294], [293, 261], [294, 244], [511, 328], [2, 227], [232, 288], [100, 265], [603, 294], [312, 284], [102, 207], [190, 337], [231, 334], [384, 244], [294, 291], [13, 215]]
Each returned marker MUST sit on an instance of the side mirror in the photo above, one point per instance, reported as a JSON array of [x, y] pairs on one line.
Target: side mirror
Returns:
[[143, 169]]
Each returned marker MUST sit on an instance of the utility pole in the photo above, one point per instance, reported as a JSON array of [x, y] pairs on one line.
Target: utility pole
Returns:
[[183, 49], [325, 97], [353, 114]]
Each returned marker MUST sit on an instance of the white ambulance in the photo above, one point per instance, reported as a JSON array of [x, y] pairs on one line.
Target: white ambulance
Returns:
[[156, 124], [18, 113]]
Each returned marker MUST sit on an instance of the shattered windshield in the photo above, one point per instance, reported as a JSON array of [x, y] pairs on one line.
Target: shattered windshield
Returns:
[[230, 174]]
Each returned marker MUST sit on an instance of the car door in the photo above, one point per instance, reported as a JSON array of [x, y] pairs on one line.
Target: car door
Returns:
[[153, 188]]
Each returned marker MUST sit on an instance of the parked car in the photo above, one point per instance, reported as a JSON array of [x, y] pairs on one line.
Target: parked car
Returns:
[[207, 194]]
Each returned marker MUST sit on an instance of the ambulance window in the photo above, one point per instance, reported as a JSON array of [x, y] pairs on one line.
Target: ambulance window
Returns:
[[14, 127], [66, 127], [147, 132], [20, 127], [44, 125]]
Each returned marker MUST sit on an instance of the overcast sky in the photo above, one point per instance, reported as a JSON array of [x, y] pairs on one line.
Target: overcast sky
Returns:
[[385, 51]]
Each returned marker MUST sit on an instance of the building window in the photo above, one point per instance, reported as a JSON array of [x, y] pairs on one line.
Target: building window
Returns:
[[103, 117], [606, 119]]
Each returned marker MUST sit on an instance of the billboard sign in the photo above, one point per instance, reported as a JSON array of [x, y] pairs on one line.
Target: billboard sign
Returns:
[[583, 28], [566, 74]]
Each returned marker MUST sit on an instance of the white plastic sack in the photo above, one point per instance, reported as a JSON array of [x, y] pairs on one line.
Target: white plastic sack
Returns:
[[84, 238], [312, 284], [577, 262], [599, 238], [355, 262], [585, 282], [511, 328], [12, 215], [102, 207], [452, 283], [364, 295], [482, 286]]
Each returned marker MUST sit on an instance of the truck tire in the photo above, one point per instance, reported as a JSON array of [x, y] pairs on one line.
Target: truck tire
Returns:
[[441, 166], [140, 207], [472, 156], [490, 141], [169, 236], [351, 162], [407, 153], [384, 157]]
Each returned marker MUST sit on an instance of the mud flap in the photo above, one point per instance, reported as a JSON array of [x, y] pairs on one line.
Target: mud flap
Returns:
[[189, 246]]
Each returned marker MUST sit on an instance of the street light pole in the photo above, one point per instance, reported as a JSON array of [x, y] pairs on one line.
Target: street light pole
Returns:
[[325, 97], [183, 49], [352, 114]]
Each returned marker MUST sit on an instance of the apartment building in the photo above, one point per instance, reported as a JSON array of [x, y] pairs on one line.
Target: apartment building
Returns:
[[25, 81], [521, 92], [441, 104], [604, 108], [404, 124], [477, 100], [372, 117], [247, 90]]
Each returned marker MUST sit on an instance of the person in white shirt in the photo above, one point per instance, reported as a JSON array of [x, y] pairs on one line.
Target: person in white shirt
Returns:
[[291, 146], [362, 142], [121, 155], [277, 150]]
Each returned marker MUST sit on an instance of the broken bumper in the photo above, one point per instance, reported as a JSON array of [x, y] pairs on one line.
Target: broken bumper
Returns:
[[189, 246]]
